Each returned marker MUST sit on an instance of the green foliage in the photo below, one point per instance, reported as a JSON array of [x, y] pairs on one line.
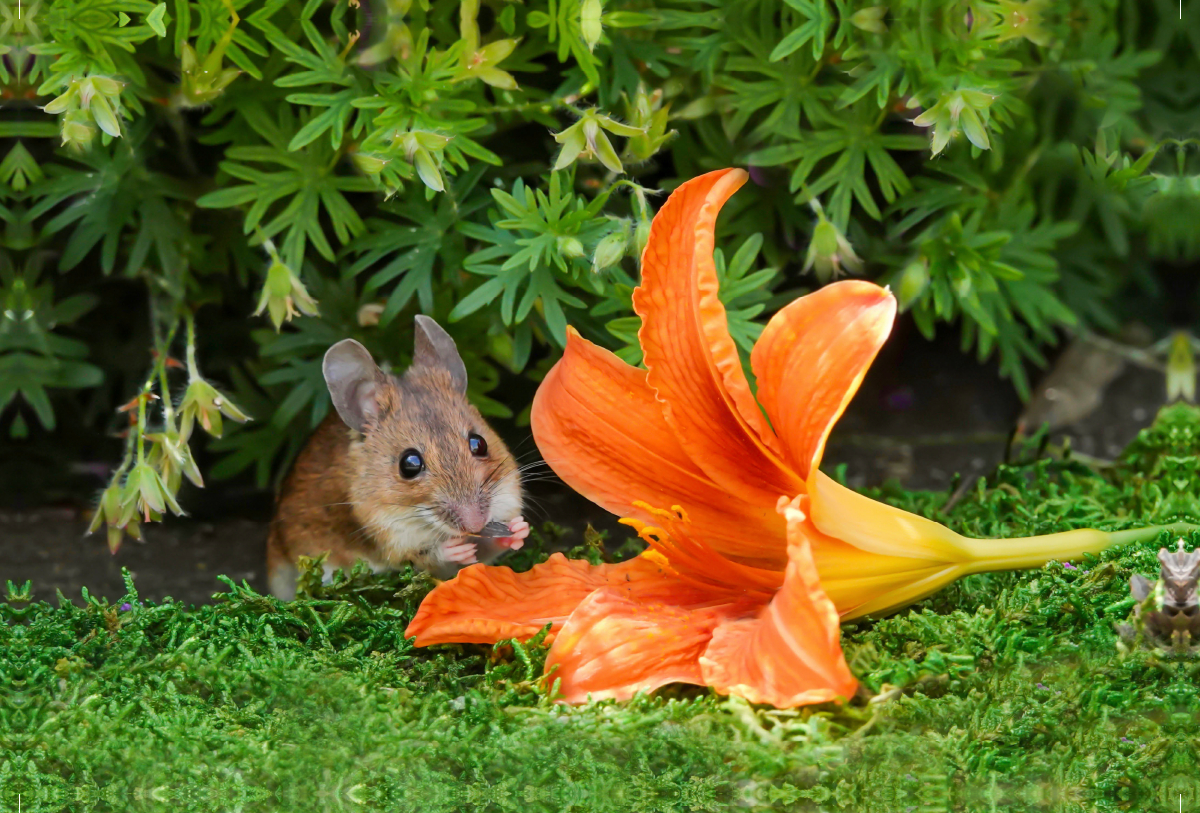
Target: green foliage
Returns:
[[1006, 691], [33, 355], [333, 167]]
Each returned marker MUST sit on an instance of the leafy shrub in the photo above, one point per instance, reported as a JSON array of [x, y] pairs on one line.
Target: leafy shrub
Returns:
[[325, 169]]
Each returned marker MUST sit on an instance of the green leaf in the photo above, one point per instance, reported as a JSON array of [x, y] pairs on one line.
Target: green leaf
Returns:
[[155, 19]]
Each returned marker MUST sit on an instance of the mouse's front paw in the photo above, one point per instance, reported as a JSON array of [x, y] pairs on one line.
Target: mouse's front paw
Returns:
[[460, 552], [519, 530]]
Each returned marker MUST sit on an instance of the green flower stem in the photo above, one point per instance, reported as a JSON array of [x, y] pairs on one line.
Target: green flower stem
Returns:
[[126, 459], [193, 370], [164, 387], [545, 105], [141, 423], [1035, 551], [157, 373], [1144, 534]]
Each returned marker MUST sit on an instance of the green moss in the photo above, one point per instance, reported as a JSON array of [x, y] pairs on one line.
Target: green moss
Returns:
[[1004, 691]]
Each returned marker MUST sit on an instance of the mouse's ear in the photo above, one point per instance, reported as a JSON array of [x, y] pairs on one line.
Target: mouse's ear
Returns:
[[353, 381], [434, 349]]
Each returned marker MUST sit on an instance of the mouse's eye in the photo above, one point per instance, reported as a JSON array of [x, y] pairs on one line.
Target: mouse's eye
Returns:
[[411, 464], [478, 445]]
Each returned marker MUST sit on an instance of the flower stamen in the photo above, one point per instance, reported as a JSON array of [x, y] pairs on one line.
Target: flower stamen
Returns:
[[693, 560]]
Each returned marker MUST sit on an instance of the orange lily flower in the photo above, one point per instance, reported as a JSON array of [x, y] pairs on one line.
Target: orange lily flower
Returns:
[[759, 553]]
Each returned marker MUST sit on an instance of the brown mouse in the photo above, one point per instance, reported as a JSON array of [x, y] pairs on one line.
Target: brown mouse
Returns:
[[405, 470]]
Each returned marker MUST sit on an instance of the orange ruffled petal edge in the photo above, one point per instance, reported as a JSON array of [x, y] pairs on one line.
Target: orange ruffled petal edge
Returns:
[[692, 362], [811, 358], [612, 646], [634, 626], [484, 604], [791, 654]]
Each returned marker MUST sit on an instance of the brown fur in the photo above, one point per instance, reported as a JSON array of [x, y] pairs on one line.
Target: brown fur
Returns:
[[345, 494]]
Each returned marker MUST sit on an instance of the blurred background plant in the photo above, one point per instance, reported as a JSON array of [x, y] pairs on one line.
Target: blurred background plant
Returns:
[[233, 185]]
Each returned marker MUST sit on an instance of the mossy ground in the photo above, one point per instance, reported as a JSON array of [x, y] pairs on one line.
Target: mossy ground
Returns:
[[1005, 691]]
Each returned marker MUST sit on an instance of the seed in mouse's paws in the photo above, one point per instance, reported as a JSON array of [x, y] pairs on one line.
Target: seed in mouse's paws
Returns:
[[519, 530], [461, 552], [494, 530]]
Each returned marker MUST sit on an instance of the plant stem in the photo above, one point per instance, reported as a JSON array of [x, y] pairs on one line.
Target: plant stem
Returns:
[[164, 386], [1144, 534], [141, 424], [1035, 551], [193, 370], [157, 372]]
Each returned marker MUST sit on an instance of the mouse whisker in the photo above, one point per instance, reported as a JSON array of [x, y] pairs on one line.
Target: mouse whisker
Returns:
[[534, 501], [491, 474], [536, 510], [527, 476], [543, 478], [526, 439], [360, 532]]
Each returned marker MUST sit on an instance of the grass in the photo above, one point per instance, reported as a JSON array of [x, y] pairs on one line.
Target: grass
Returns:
[[1005, 691]]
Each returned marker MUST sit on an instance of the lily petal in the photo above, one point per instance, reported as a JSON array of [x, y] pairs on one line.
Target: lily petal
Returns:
[[692, 361], [485, 604], [858, 582], [936, 556], [601, 429], [811, 358], [613, 647], [877, 527], [790, 655]]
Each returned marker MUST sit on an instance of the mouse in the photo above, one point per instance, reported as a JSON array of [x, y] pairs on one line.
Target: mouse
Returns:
[[403, 470]]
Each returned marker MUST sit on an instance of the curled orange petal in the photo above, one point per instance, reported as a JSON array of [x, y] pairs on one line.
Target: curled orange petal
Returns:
[[811, 358], [692, 361], [790, 655], [485, 604], [601, 429], [613, 647]]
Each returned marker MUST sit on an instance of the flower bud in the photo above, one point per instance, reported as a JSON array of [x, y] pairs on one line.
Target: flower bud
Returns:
[[172, 457], [829, 251], [641, 236], [145, 491], [202, 401], [108, 509], [283, 294], [870, 19], [589, 22], [67, 101], [105, 115], [914, 279], [368, 164], [963, 108], [430, 175], [570, 247], [610, 250], [106, 86], [600, 146], [78, 129]]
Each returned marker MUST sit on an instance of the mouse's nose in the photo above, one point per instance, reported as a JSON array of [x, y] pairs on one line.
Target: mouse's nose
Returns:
[[471, 517]]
